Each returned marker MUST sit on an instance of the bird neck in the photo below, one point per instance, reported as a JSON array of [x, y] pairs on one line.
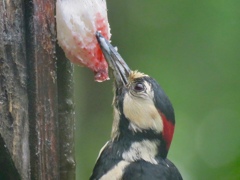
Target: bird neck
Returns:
[[137, 144]]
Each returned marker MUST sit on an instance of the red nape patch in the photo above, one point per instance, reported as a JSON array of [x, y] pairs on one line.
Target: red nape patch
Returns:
[[168, 130]]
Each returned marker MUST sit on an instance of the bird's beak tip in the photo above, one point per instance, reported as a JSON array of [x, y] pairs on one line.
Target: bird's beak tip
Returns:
[[115, 61], [104, 44]]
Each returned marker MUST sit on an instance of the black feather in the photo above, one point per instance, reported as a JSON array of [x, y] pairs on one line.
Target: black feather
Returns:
[[142, 170]]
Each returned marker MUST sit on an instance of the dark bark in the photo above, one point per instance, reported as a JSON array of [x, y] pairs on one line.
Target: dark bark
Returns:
[[66, 116], [36, 107], [8, 169], [13, 85], [42, 90]]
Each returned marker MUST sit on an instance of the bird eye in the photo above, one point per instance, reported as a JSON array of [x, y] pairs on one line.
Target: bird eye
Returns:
[[138, 87]]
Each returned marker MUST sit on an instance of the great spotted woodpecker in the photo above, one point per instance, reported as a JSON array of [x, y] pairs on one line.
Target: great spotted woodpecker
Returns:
[[142, 129]]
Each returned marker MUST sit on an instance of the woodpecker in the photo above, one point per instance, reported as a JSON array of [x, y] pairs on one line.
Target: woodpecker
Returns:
[[143, 126]]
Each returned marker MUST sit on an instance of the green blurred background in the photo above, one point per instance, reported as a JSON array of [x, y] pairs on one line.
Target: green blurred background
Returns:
[[193, 49]]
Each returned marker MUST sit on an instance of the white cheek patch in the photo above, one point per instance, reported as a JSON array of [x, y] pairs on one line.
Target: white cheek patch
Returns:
[[149, 91], [142, 113], [116, 172], [146, 150]]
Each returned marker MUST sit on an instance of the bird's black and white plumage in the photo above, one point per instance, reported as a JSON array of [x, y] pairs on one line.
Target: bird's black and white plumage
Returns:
[[142, 130]]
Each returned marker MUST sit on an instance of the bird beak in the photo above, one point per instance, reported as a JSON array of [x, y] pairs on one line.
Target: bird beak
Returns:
[[120, 69]]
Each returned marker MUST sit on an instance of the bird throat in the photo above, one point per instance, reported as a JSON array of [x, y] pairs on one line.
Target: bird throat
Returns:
[[145, 144]]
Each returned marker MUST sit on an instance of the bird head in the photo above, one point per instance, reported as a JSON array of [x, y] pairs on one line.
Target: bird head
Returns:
[[142, 111]]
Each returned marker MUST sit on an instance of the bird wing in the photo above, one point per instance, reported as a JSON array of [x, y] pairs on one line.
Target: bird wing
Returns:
[[142, 170], [106, 162]]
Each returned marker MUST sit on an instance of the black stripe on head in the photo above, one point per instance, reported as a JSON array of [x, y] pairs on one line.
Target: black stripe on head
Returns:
[[161, 100]]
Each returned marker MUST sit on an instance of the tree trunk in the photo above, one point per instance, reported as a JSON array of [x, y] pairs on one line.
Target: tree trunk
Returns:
[[36, 107]]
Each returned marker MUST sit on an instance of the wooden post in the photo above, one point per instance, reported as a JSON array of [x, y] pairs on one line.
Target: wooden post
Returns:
[[36, 108], [14, 120]]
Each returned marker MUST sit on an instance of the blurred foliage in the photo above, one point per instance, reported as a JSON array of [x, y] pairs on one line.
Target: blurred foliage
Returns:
[[192, 49]]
